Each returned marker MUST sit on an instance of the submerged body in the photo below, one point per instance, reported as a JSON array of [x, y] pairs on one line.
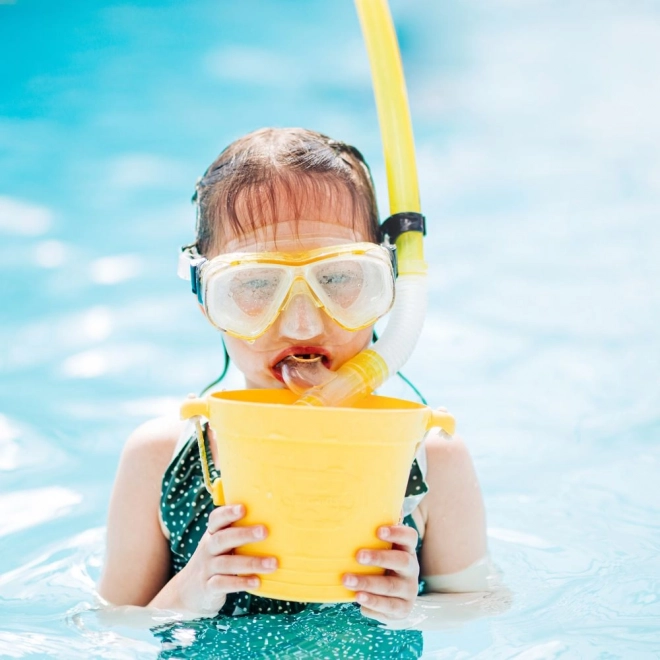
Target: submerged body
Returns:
[[310, 196]]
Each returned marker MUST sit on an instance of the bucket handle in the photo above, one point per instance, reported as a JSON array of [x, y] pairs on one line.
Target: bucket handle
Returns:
[[443, 420], [194, 409]]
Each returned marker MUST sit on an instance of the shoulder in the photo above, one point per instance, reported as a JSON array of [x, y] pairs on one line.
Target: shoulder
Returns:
[[160, 432], [450, 470], [446, 453], [151, 445], [142, 465], [450, 473]]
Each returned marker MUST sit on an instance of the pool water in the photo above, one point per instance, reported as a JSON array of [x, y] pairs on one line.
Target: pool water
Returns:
[[539, 154]]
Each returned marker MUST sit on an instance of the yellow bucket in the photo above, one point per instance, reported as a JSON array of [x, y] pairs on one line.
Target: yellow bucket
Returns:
[[321, 479]]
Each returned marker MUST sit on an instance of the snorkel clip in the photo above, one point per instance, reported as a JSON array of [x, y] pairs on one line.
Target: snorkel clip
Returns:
[[399, 223]]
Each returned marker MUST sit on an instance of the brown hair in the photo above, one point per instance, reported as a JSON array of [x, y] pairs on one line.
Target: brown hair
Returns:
[[255, 170]]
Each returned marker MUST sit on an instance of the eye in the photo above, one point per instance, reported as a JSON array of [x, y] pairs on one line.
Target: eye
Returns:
[[342, 281], [257, 285], [336, 279], [253, 290]]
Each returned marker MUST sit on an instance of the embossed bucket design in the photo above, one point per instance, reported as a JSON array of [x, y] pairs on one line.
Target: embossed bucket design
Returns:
[[321, 479]]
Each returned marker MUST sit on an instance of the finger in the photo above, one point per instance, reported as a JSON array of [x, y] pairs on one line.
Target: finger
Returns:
[[382, 585], [242, 565], [382, 606], [230, 538], [228, 584], [223, 516], [402, 536], [399, 561]]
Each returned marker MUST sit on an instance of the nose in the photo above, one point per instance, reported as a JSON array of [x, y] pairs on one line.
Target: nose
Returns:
[[301, 319]]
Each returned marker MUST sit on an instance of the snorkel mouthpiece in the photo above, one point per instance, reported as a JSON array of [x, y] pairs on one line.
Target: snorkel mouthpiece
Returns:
[[370, 368], [301, 374], [322, 387]]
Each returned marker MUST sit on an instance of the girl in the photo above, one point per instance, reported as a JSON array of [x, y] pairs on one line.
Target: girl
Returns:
[[279, 191]]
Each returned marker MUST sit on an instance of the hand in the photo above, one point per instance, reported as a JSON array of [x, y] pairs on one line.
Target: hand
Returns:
[[213, 571], [390, 596]]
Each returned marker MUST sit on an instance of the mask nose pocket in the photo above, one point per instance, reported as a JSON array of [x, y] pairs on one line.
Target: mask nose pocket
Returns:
[[301, 317]]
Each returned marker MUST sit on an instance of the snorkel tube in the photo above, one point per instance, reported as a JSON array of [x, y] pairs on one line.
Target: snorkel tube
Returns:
[[405, 226]]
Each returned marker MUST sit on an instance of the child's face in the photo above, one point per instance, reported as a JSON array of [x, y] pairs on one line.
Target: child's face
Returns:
[[301, 328]]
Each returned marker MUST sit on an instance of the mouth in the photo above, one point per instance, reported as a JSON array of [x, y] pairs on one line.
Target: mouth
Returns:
[[302, 353]]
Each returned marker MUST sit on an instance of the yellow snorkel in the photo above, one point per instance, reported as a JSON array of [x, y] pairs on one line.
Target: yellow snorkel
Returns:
[[372, 367]]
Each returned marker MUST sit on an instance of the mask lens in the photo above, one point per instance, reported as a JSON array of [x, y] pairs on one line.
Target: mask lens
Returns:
[[244, 300], [355, 289], [342, 281], [252, 290]]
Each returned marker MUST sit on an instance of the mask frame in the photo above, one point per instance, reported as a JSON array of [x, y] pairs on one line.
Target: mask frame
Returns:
[[202, 273]]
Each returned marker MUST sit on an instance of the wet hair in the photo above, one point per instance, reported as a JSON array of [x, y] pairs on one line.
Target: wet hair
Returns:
[[240, 190]]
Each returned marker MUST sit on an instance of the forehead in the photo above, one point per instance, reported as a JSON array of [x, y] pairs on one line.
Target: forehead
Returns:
[[293, 236], [280, 217]]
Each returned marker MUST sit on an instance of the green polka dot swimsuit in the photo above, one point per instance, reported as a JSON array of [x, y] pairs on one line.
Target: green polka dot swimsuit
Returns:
[[185, 507]]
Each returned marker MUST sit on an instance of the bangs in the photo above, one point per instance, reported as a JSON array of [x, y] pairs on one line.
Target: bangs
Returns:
[[275, 175], [239, 207]]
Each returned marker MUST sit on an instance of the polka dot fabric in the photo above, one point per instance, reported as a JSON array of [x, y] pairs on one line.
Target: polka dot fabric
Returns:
[[320, 631], [185, 507]]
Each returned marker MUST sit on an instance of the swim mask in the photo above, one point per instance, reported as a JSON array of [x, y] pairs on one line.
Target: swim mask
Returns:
[[243, 293]]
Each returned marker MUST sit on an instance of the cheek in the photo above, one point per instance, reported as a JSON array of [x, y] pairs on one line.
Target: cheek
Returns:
[[252, 360], [240, 352], [363, 337], [354, 342]]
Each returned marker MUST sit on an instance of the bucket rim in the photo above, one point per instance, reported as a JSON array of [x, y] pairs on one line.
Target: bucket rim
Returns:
[[401, 406]]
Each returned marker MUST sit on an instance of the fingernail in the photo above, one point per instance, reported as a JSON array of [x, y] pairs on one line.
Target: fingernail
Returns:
[[350, 581], [364, 557], [253, 582], [259, 532], [384, 533], [269, 563], [237, 510], [362, 598]]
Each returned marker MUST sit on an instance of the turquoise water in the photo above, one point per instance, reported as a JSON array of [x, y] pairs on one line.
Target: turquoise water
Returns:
[[539, 151]]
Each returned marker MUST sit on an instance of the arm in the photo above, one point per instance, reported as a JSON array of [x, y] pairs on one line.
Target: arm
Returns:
[[137, 556], [462, 581], [453, 509], [137, 566]]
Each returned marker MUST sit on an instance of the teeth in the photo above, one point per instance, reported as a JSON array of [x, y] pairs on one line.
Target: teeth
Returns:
[[307, 357], [301, 358]]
